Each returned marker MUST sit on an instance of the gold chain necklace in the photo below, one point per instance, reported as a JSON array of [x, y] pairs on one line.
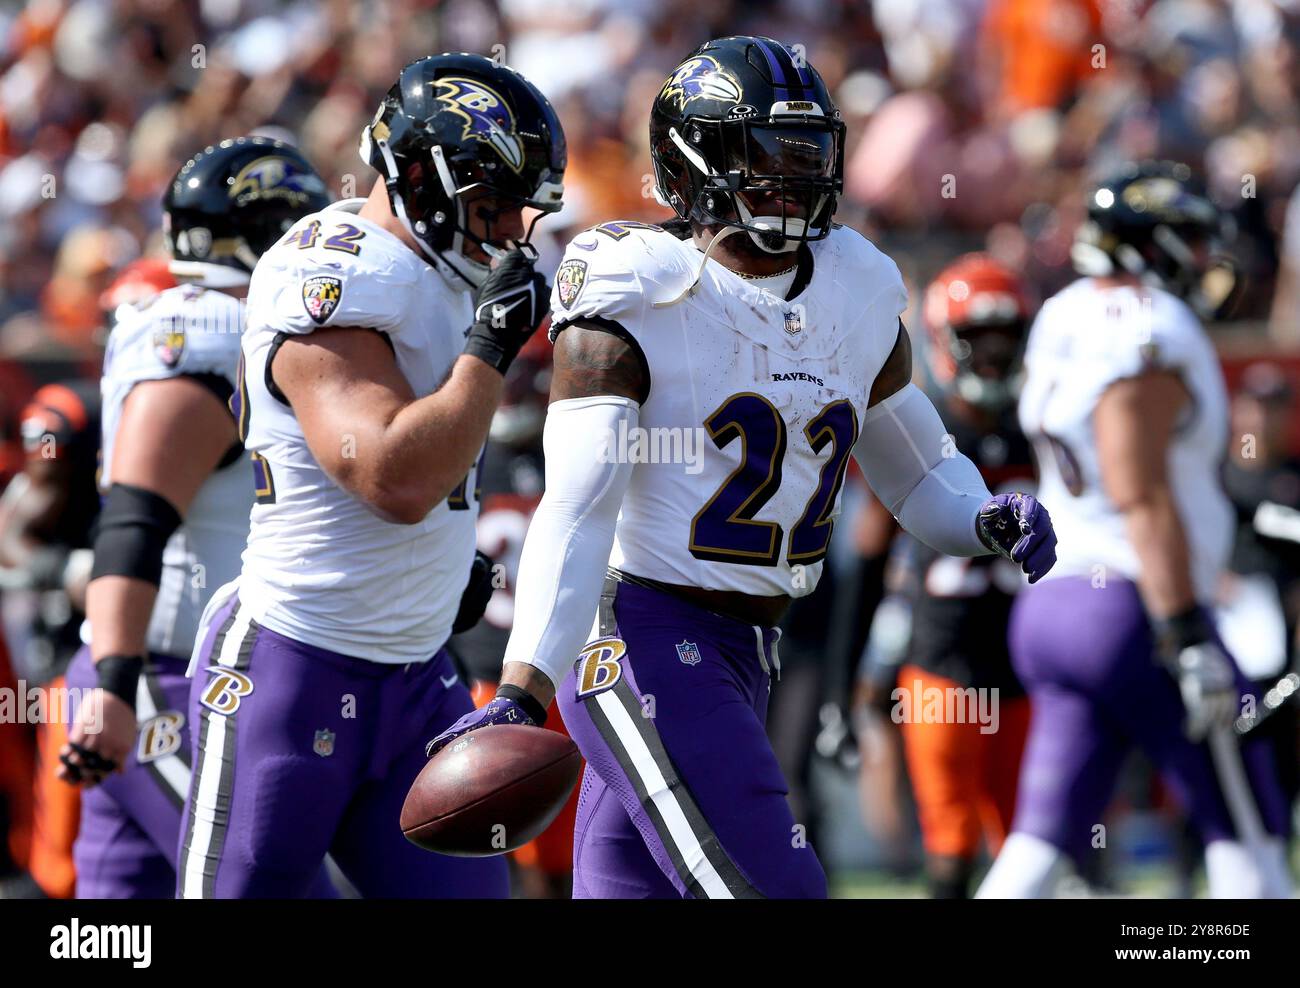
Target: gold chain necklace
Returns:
[[761, 277]]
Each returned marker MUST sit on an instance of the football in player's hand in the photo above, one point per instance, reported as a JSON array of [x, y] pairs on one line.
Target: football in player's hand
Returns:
[[490, 791]]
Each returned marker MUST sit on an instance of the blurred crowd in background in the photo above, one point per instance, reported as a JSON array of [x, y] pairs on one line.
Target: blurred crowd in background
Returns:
[[970, 122], [972, 125]]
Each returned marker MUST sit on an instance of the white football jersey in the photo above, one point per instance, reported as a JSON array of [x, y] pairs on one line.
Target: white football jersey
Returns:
[[182, 331], [1086, 338], [754, 401], [320, 566]]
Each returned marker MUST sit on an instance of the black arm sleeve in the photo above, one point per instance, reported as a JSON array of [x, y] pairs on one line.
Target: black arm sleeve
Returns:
[[133, 527]]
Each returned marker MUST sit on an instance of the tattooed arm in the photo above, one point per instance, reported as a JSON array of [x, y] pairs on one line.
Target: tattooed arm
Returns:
[[593, 359]]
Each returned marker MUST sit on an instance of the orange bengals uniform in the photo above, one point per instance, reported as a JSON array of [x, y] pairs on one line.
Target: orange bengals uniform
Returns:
[[964, 778], [57, 809], [964, 781], [17, 767], [60, 428]]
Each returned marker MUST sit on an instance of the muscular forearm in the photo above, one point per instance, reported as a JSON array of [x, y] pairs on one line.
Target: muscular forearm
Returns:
[[409, 462], [1156, 532]]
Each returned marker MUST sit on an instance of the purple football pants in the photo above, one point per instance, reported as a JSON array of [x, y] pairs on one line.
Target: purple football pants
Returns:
[[682, 795], [1085, 655], [131, 822], [126, 845], [301, 752]]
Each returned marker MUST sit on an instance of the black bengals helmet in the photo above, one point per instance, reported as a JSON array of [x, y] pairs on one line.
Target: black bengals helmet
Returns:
[[1155, 221], [744, 134], [230, 202], [453, 128]]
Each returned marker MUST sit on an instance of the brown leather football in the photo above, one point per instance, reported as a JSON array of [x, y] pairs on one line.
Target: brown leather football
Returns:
[[490, 791]]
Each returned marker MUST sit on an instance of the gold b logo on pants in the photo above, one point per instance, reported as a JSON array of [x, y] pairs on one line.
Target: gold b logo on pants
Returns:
[[160, 736], [225, 690], [598, 667]]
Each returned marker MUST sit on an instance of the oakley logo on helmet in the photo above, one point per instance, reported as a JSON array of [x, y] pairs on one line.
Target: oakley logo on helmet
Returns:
[[486, 115], [700, 77]]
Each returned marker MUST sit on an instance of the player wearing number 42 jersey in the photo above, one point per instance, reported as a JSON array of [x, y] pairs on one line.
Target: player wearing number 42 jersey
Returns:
[[374, 357], [772, 335]]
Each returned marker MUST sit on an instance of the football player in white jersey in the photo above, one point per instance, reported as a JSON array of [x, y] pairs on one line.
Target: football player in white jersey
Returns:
[[710, 385], [377, 341], [177, 491], [1125, 405]]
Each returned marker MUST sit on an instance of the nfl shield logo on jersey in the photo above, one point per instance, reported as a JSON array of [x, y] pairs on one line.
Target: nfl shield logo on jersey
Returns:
[[689, 653], [793, 321], [320, 295], [323, 745], [569, 280]]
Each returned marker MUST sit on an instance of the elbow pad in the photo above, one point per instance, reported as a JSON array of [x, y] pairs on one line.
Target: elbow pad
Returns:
[[566, 552], [131, 532], [913, 466]]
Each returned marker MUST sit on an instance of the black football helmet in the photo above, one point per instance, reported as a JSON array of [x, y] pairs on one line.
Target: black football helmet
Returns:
[[745, 134], [1155, 221], [232, 201], [459, 124]]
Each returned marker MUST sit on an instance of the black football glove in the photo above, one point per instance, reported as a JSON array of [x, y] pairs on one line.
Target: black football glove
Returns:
[[478, 591], [508, 307]]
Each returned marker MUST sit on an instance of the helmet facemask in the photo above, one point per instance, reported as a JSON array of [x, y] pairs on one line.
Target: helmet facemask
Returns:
[[777, 178], [1153, 222], [986, 360], [433, 197], [1187, 261]]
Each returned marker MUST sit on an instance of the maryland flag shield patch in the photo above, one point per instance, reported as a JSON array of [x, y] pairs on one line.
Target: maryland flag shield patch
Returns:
[[169, 344], [569, 280], [320, 296]]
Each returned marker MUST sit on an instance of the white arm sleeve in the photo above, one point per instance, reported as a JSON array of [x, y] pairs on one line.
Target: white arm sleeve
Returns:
[[913, 467], [566, 551]]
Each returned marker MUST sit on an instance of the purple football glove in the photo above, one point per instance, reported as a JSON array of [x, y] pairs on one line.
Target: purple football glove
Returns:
[[1018, 527], [501, 709]]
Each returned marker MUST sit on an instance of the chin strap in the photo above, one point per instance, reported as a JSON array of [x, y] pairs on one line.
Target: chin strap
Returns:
[[689, 289], [773, 227], [437, 258], [470, 271]]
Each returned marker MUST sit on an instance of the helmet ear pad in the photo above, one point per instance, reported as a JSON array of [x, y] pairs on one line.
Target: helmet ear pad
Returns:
[[672, 183], [429, 210]]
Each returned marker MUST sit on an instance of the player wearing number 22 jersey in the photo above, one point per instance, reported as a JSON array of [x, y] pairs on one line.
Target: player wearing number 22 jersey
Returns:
[[703, 411]]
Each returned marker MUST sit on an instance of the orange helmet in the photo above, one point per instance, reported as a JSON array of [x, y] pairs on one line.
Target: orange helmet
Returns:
[[976, 314], [139, 280]]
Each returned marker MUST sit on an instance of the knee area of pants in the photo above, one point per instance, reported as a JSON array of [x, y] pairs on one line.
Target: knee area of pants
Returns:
[[274, 824], [803, 879]]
